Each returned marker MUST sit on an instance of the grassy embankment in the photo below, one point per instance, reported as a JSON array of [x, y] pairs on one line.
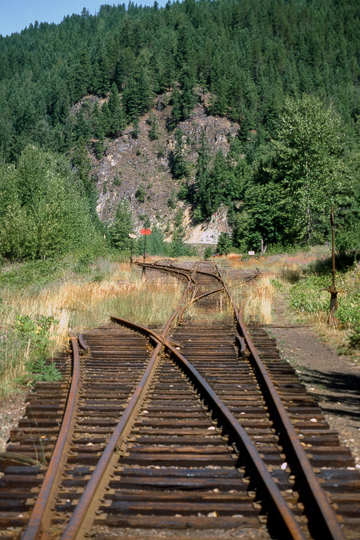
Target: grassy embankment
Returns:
[[41, 300], [297, 281]]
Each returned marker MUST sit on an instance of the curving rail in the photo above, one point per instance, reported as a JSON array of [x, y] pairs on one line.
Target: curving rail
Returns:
[[320, 513], [323, 515]]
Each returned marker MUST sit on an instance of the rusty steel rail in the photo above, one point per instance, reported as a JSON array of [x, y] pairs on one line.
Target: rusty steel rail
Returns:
[[237, 433], [78, 523], [323, 515], [40, 517], [177, 269], [197, 298], [83, 514], [164, 268], [82, 343]]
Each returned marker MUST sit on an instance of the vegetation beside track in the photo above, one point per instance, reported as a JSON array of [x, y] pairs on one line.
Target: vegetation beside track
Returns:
[[298, 281], [41, 300]]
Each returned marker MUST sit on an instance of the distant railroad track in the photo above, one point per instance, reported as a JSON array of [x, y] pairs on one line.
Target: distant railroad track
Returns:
[[198, 427]]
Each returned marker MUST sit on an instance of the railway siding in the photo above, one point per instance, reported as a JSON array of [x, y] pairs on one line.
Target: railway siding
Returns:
[[191, 452]]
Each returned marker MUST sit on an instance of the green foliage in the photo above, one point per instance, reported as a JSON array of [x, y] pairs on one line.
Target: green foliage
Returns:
[[34, 334], [99, 149], [308, 168], [277, 284], [178, 218], [118, 116], [349, 309], [248, 55], [224, 244], [208, 252], [287, 195], [155, 244], [177, 246], [179, 166], [121, 227], [140, 193], [136, 128], [306, 296], [154, 131], [83, 265], [354, 337], [47, 213], [43, 371]]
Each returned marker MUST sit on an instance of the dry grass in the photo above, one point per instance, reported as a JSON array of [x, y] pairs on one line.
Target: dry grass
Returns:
[[79, 306], [256, 297], [203, 315], [273, 263], [255, 300]]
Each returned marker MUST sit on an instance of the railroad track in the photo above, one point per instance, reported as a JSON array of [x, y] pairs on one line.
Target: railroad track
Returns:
[[187, 432]]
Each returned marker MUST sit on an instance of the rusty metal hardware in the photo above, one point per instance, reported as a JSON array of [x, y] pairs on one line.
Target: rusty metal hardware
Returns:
[[326, 517], [40, 517], [332, 290]]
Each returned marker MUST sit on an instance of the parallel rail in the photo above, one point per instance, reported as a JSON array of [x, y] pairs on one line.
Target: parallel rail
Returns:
[[322, 520]]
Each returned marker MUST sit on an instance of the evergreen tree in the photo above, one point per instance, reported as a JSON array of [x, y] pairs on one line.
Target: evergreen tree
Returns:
[[224, 244], [136, 128], [179, 165], [106, 120], [96, 123], [176, 108], [154, 131], [188, 98], [121, 226], [118, 119], [83, 126], [201, 179]]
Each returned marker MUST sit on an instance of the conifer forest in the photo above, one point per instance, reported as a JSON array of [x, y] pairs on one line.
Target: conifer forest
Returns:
[[286, 72]]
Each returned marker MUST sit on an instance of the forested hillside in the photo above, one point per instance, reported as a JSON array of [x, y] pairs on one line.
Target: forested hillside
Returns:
[[287, 72]]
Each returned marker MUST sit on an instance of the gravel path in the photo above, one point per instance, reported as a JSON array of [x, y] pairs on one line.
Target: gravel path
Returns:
[[333, 380]]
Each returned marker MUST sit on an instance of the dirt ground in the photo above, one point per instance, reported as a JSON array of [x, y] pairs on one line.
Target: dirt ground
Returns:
[[333, 380], [11, 410]]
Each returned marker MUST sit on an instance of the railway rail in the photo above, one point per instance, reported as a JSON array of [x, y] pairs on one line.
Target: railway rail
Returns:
[[199, 428]]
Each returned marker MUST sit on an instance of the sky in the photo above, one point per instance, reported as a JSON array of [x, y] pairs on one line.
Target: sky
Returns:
[[18, 14]]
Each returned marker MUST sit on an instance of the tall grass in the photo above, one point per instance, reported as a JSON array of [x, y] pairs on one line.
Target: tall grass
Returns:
[[79, 304], [255, 300]]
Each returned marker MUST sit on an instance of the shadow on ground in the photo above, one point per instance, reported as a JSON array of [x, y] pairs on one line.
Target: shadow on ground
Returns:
[[333, 388]]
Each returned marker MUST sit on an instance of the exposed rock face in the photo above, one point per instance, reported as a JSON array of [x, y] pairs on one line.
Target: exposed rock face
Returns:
[[208, 233], [131, 163]]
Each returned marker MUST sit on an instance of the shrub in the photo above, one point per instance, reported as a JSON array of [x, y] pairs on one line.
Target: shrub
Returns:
[[354, 337], [140, 194], [208, 252], [306, 295]]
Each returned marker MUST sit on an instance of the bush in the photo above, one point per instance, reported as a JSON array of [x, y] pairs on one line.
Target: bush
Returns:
[[354, 337], [44, 210], [306, 296], [208, 252], [224, 244], [140, 194], [30, 342], [349, 309]]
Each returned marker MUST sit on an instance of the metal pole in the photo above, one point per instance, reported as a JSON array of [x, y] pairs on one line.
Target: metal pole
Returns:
[[332, 220], [332, 290], [144, 247]]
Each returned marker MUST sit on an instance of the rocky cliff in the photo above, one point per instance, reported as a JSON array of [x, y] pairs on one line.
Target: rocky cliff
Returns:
[[131, 163]]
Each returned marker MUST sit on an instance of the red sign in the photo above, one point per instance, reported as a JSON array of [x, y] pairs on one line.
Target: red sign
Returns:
[[145, 231]]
